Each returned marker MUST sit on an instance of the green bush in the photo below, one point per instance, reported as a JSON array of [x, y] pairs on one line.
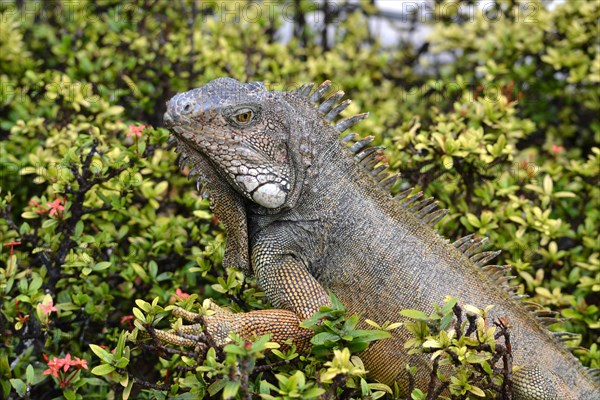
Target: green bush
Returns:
[[495, 115]]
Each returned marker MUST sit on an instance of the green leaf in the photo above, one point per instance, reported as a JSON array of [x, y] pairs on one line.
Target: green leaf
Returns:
[[140, 271], [447, 162], [49, 223], [517, 219], [29, 373], [472, 309], [313, 393], [311, 321], [216, 387], [564, 195], [202, 214], [127, 390], [103, 369], [230, 390], [262, 343], [432, 343], [449, 303], [477, 391], [69, 395], [35, 284], [336, 304], [370, 335], [473, 220], [121, 362], [19, 386], [446, 320], [153, 268], [115, 110], [324, 337], [143, 305], [161, 187], [234, 349], [101, 353], [139, 314], [29, 215], [120, 345], [548, 184], [381, 386], [102, 266], [417, 394], [414, 314], [78, 229]]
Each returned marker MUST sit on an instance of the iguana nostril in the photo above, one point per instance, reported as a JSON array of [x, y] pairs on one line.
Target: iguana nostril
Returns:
[[187, 108]]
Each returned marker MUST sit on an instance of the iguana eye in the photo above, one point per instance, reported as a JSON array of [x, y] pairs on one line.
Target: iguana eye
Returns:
[[244, 117]]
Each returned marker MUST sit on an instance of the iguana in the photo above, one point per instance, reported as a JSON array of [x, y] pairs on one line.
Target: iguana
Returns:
[[307, 213]]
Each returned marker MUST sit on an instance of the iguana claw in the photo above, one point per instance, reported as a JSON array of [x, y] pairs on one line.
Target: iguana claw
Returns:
[[193, 335], [174, 338]]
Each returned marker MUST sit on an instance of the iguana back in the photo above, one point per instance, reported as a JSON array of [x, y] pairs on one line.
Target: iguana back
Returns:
[[306, 213]]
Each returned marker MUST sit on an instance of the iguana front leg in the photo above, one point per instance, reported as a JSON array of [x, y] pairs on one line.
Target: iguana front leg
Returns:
[[288, 285]]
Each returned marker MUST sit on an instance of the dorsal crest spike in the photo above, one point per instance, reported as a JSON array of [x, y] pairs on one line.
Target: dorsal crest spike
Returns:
[[349, 137], [350, 121], [305, 89], [317, 94], [427, 210], [332, 115], [547, 321], [326, 107], [594, 373], [435, 216], [368, 156], [194, 172], [383, 175], [473, 241], [421, 204], [369, 163], [358, 146], [328, 104], [460, 241], [406, 203], [475, 247], [404, 194], [181, 162], [389, 182], [171, 142], [484, 257], [364, 156], [499, 275], [376, 171]]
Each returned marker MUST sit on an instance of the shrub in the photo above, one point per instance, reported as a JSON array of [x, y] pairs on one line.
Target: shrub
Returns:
[[497, 121]]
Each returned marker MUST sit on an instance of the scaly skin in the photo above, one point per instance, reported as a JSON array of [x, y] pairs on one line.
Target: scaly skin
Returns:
[[312, 219]]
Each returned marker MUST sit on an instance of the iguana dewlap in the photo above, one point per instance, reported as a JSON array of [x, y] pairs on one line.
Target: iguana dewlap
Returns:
[[306, 214]]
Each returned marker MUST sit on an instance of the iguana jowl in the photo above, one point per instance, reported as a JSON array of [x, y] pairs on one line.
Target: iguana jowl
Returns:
[[306, 213]]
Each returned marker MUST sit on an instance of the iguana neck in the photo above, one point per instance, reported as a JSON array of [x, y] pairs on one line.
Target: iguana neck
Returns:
[[334, 185], [325, 162]]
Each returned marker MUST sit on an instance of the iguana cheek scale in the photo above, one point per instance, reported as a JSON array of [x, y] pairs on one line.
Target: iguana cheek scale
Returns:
[[317, 215]]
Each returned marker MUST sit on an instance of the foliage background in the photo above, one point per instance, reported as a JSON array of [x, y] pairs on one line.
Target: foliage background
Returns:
[[493, 114]]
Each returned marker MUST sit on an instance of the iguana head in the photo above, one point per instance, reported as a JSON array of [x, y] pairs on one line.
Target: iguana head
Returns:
[[239, 128]]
